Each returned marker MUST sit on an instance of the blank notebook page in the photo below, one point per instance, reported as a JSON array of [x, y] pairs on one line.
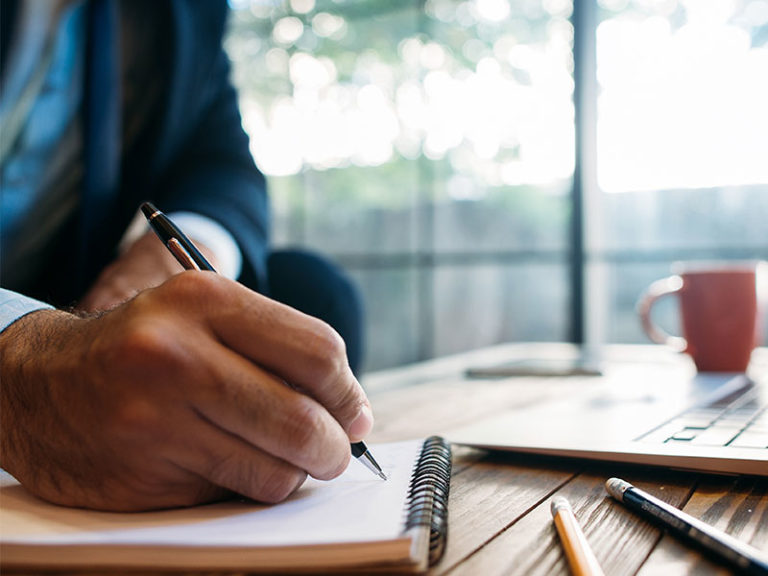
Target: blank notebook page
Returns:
[[355, 507]]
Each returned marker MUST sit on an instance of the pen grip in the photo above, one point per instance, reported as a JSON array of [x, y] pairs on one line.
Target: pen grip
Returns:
[[182, 248], [182, 256], [183, 244]]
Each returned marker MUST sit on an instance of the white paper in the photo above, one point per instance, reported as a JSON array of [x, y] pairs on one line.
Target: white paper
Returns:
[[355, 507]]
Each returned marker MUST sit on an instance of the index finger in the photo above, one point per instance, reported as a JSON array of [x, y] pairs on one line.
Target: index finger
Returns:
[[302, 350]]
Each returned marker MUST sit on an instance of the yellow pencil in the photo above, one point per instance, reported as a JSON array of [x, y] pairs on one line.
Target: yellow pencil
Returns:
[[580, 556]]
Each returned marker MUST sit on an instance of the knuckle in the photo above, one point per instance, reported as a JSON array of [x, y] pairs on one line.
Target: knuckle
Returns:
[[335, 462], [280, 484], [191, 289], [349, 402], [330, 354], [139, 339], [270, 483], [135, 423], [333, 378], [134, 414], [202, 288], [142, 339], [306, 423], [143, 345], [135, 406], [227, 470], [322, 443], [136, 417], [331, 346], [314, 435]]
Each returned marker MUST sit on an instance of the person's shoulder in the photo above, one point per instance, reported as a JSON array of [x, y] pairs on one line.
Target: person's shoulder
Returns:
[[151, 28], [198, 16], [207, 16]]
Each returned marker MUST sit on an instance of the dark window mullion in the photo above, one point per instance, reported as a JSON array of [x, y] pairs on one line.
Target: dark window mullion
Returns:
[[584, 22]]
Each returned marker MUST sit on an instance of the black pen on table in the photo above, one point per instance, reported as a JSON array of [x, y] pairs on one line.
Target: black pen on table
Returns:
[[190, 258], [740, 554]]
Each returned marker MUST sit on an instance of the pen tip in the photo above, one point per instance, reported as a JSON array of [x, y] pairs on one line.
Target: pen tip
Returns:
[[367, 459]]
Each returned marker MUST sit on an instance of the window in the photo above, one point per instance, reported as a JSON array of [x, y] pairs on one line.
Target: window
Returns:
[[429, 148], [681, 147]]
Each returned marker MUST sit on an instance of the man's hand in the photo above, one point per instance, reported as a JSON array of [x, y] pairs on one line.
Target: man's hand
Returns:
[[191, 390], [147, 263]]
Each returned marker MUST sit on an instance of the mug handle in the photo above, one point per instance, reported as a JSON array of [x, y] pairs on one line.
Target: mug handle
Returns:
[[657, 290]]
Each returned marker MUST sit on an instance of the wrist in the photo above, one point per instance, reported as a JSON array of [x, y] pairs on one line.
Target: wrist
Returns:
[[24, 355]]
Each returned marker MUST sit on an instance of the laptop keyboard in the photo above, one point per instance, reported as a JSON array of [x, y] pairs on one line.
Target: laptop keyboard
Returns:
[[739, 420]]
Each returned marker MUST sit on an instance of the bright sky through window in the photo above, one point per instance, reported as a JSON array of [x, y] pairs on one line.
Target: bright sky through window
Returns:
[[683, 106], [499, 109]]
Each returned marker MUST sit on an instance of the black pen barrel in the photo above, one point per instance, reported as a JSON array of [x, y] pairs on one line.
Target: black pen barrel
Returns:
[[167, 231], [698, 533]]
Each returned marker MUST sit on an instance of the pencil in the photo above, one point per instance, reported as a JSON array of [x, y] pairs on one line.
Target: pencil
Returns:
[[580, 556]]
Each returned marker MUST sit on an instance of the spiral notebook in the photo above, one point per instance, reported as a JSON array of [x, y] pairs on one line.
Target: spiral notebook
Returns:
[[356, 521]]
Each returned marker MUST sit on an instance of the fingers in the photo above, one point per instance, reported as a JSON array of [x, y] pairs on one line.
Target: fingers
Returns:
[[230, 352], [181, 402], [227, 461], [259, 408], [303, 351], [167, 338], [190, 461]]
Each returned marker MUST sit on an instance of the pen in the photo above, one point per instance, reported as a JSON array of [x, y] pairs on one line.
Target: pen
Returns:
[[580, 556], [742, 555], [190, 258]]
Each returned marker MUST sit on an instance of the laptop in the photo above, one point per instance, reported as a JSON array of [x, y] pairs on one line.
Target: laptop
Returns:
[[660, 415]]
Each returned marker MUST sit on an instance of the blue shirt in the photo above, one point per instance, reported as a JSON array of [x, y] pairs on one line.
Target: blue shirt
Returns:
[[41, 172]]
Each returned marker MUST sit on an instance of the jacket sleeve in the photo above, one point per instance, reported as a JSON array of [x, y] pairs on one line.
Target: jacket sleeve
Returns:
[[208, 166]]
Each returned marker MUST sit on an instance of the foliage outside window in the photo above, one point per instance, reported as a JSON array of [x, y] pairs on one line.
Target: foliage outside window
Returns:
[[428, 147]]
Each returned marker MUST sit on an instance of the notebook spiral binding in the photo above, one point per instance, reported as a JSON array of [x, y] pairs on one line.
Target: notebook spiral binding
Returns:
[[427, 503]]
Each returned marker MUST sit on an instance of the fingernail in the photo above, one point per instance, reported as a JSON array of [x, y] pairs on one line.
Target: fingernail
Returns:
[[361, 425]]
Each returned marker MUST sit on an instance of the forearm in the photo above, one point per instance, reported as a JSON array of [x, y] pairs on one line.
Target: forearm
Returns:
[[27, 371]]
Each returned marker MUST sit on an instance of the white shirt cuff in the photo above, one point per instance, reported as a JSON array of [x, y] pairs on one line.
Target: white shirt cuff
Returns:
[[200, 229], [13, 306]]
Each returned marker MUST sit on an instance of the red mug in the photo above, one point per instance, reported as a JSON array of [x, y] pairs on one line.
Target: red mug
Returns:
[[719, 315]]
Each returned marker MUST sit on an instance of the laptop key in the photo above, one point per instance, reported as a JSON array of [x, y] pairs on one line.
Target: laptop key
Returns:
[[661, 434], [686, 435], [749, 439], [733, 424], [692, 422], [715, 436]]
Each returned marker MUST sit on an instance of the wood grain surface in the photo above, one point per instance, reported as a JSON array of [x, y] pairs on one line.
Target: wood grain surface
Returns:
[[500, 520], [499, 508]]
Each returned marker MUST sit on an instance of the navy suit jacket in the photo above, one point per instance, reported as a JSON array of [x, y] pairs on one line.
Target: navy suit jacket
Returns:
[[188, 152]]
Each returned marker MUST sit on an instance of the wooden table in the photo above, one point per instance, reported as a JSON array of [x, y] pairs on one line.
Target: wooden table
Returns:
[[499, 517]]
